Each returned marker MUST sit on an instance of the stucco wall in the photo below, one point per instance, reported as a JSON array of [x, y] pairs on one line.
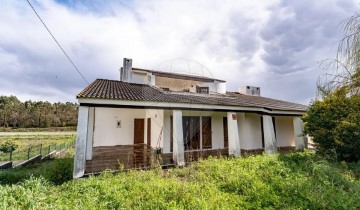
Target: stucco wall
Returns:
[[249, 128], [157, 123], [106, 132], [284, 131]]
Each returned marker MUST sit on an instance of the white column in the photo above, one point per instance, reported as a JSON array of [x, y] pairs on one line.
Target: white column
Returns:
[[269, 135], [300, 138], [178, 138], [233, 135], [90, 133], [80, 145]]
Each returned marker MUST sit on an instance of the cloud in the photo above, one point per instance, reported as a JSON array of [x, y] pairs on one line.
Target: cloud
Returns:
[[273, 44]]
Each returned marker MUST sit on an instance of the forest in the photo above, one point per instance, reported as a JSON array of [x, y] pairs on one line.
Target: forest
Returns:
[[36, 114]]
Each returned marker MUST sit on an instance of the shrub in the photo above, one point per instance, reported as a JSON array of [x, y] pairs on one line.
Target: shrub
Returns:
[[334, 124], [8, 146]]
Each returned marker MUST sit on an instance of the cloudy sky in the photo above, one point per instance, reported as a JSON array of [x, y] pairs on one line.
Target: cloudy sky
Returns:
[[274, 44]]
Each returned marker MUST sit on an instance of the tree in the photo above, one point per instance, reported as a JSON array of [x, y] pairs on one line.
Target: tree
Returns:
[[8, 146], [334, 124], [334, 121]]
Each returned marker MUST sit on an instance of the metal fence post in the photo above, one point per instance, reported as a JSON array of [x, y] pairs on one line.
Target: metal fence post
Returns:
[[40, 149], [11, 153], [49, 150], [28, 154]]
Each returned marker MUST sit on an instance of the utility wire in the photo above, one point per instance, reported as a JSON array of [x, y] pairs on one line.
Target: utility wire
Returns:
[[57, 42]]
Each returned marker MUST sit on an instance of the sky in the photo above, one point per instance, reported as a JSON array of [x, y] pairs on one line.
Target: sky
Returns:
[[274, 44]]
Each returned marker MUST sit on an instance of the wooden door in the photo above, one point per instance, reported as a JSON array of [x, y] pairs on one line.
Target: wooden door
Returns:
[[149, 131], [206, 133], [138, 131], [225, 127]]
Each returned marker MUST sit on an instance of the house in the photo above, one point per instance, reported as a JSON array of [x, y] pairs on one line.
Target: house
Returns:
[[179, 117]]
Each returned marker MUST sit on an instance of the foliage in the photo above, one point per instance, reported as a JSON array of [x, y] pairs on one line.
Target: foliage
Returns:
[[8, 146], [36, 143], [334, 124], [14, 113], [293, 181], [56, 171], [344, 70]]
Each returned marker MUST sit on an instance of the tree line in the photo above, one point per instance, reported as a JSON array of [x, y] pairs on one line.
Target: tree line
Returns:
[[34, 114]]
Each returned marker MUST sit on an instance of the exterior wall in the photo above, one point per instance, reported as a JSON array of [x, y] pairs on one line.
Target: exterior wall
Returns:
[[139, 78], [284, 131], [166, 132], [157, 124], [106, 132], [180, 84], [217, 130], [249, 127]]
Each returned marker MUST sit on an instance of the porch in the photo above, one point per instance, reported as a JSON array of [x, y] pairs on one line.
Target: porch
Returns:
[[140, 156]]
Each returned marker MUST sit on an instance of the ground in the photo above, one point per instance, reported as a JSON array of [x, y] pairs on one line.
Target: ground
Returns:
[[292, 181]]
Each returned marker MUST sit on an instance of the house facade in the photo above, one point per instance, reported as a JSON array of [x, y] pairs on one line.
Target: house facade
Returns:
[[177, 116]]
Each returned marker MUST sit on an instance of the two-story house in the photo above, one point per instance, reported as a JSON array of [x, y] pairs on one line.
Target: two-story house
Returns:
[[180, 117]]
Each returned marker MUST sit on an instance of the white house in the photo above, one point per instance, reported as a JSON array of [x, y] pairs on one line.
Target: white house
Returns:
[[178, 116]]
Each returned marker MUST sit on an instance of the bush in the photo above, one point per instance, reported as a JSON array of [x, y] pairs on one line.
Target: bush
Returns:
[[56, 171], [8, 146], [334, 124]]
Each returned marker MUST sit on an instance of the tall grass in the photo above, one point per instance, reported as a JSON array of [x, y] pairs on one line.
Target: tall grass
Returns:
[[292, 181]]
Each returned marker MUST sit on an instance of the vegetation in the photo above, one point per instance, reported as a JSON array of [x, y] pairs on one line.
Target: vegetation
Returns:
[[50, 129], [55, 171], [14, 113], [292, 181], [334, 121], [37, 143], [8, 146], [334, 124]]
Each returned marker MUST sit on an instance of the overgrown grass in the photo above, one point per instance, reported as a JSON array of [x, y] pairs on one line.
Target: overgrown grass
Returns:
[[34, 141], [292, 181], [50, 129], [56, 171]]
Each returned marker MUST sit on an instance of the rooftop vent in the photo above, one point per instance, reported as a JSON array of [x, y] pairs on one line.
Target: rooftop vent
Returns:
[[250, 90]]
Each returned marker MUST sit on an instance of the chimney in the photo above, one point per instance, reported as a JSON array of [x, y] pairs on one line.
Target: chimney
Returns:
[[125, 71], [250, 90]]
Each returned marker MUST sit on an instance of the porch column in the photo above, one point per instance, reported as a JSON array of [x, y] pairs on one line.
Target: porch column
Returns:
[[178, 138], [300, 138], [80, 145], [233, 135], [269, 135], [90, 133]]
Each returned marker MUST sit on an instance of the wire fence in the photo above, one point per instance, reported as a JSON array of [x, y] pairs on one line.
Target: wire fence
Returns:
[[34, 150]]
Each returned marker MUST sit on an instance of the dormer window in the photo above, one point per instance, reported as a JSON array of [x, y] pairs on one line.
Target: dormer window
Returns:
[[204, 90]]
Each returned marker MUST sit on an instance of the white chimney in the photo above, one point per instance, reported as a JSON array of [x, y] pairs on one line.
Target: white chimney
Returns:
[[250, 90], [125, 72]]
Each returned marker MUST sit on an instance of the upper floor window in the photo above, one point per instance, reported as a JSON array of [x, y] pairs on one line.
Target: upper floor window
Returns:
[[204, 90]]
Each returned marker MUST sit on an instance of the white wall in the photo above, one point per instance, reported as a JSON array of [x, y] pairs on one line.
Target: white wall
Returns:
[[284, 131], [252, 137], [139, 78], [157, 123], [106, 132]]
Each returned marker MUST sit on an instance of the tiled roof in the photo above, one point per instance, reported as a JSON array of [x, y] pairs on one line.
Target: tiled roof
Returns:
[[117, 90]]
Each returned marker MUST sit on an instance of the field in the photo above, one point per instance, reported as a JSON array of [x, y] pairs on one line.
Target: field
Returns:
[[33, 140], [292, 181]]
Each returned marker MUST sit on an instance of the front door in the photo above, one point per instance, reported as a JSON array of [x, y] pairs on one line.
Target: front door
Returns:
[[138, 131]]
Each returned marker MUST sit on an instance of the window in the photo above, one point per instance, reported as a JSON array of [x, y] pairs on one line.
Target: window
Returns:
[[204, 90]]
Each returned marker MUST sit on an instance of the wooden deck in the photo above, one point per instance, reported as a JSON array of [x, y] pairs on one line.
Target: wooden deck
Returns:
[[142, 156], [139, 156]]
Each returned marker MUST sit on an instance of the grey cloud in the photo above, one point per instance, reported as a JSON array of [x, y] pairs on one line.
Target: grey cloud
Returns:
[[291, 41]]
